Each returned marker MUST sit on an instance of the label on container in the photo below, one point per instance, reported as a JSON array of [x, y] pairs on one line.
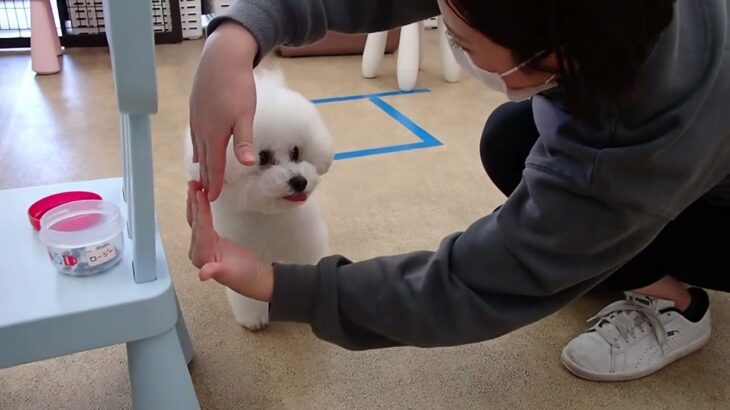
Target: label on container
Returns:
[[102, 255]]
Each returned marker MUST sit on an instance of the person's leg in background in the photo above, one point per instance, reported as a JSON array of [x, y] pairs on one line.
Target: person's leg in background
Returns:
[[507, 139], [659, 302], [692, 249], [666, 314]]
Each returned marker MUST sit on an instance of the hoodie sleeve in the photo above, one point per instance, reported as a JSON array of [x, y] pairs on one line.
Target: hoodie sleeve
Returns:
[[547, 245], [300, 22]]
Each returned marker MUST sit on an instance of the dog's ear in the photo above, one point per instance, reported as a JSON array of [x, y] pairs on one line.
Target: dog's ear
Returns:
[[324, 155], [320, 149], [325, 165]]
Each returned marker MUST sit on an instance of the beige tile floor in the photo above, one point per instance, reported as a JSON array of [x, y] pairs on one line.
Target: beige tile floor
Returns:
[[64, 127]]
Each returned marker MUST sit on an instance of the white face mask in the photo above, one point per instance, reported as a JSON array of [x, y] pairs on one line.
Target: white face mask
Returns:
[[495, 81]]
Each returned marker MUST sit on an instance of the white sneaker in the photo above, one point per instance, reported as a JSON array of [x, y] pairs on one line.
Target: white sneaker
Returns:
[[634, 338]]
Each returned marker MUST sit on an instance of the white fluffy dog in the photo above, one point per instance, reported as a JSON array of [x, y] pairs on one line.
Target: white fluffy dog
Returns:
[[269, 207]]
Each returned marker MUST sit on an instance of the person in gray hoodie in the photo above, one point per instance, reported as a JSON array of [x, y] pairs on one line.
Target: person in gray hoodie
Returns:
[[614, 153]]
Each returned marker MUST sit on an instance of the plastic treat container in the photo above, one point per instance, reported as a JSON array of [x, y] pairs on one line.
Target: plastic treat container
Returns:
[[84, 237], [43, 205]]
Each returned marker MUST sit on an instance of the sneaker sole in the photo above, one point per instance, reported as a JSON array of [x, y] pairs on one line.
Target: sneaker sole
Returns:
[[613, 377]]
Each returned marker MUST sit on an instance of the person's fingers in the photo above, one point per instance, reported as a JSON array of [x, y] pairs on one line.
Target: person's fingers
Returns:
[[243, 140], [194, 206], [205, 235], [195, 145], [218, 272], [216, 161], [192, 254], [195, 185], [203, 163], [191, 250], [204, 214], [194, 237], [189, 206], [211, 270]]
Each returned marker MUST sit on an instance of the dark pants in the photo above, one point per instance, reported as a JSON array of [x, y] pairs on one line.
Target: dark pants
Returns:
[[693, 248]]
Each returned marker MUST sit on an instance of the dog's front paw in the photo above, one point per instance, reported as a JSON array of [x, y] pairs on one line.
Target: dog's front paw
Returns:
[[254, 327], [253, 318], [251, 314], [252, 321]]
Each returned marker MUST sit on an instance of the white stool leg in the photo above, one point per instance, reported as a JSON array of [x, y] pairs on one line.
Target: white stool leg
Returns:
[[159, 374], [449, 67], [421, 37], [372, 55], [408, 57]]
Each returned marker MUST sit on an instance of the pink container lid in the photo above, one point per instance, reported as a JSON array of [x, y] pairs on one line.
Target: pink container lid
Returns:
[[43, 205]]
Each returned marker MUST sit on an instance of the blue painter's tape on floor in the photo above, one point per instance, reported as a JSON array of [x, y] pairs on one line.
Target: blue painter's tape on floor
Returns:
[[368, 96], [380, 150], [426, 139], [406, 122]]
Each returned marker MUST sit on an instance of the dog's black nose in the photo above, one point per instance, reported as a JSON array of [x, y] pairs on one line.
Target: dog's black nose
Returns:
[[298, 183]]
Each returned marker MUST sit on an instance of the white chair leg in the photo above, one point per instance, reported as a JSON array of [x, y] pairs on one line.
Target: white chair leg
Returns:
[[372, 55], [408, 56], [159, 375], [449, 67]]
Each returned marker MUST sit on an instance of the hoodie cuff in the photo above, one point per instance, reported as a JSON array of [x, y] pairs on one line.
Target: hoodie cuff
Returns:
[[256, 16], [294, 292]]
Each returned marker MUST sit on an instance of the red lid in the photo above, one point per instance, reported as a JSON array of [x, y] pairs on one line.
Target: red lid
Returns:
[[36, 211]]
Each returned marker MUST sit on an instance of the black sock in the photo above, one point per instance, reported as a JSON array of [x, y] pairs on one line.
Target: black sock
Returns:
[[698, 306]]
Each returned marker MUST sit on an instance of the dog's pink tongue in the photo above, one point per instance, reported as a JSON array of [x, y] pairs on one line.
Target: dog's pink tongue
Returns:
[[299, 197]]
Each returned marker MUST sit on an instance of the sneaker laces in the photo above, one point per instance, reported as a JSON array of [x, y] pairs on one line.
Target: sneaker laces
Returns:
[[626, 317]]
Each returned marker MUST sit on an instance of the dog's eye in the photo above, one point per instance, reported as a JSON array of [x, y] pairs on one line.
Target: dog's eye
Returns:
[[294, 155], [265, 158]]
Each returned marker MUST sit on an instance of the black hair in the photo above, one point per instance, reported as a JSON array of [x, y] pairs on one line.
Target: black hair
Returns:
[[600, 45]]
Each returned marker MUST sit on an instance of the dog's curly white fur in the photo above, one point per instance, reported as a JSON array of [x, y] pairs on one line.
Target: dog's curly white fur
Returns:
[[269, 208]]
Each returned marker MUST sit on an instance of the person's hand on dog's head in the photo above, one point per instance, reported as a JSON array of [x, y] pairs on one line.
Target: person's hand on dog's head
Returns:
[[221, 259]]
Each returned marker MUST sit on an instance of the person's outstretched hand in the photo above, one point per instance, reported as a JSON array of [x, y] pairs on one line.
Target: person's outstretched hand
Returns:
[[221, 259], [223, 103]]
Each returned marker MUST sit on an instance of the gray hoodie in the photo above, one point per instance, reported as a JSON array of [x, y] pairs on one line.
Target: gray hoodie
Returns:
[[591, 197]]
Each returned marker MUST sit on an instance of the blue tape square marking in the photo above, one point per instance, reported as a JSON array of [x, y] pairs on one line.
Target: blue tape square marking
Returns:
[[368, 96], [426, 139]]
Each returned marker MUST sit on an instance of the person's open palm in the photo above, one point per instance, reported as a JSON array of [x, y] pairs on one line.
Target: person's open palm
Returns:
[[221, 259]]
